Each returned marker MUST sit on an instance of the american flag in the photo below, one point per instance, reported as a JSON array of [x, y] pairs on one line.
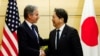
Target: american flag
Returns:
[[9, 46]]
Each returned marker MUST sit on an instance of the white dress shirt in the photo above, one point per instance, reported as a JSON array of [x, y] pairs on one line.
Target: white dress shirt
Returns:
[[60, 32]]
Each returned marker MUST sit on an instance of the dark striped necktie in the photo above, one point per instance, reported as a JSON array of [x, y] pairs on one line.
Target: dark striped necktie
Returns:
[[57, 38], [34, 33]]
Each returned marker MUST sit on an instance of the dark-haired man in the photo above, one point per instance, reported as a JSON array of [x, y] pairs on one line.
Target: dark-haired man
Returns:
[[63, 40]]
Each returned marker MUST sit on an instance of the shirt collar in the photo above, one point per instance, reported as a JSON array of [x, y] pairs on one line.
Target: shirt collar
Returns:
[[62, 27], [29, 24]]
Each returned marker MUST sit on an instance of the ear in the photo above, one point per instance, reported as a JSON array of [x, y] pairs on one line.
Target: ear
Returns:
[[61, 19], [29, 15]]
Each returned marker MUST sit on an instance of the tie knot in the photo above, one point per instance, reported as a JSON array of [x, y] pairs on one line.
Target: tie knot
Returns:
[[58, 30], [32, 26]]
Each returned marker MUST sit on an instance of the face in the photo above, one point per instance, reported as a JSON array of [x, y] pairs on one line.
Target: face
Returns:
[[55, 20], [34, 17]]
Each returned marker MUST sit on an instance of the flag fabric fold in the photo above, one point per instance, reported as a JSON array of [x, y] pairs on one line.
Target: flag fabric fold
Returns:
[[89, 30], [9, 45]]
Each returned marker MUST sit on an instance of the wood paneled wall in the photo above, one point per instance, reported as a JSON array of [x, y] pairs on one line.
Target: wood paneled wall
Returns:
[[46, 7]]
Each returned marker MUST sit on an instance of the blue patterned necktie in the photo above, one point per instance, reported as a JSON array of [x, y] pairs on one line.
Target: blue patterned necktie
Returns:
[[34, 33]]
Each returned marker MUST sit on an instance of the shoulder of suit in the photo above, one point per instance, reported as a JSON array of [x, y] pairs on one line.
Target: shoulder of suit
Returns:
[[22, 25], [65, 28], [70, 27]]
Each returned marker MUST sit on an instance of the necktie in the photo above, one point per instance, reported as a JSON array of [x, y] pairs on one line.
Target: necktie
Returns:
[[34, 33], [57, 38]]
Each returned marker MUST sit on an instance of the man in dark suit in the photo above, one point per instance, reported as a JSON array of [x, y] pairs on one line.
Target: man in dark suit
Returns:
[[63, 40], [29, 39]]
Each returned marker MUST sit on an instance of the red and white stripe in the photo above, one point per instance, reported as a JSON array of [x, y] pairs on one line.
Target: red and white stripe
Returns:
[[9, 45]]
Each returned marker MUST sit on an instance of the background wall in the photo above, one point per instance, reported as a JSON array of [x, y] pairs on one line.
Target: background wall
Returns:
[[46, 7]]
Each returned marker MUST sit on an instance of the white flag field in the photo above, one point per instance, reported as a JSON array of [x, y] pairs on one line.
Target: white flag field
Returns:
[[89, 32]]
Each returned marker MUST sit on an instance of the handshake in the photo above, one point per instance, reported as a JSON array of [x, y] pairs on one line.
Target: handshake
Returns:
[[42, 53]]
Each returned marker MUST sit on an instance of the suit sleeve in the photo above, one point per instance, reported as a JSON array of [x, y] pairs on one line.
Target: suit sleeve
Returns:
[[77, 48], [22, 42]]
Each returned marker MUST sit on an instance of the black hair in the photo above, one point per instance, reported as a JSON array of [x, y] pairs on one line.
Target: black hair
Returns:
[[61, 13]]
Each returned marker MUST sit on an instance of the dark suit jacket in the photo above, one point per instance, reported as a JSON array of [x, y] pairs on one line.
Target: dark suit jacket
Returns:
[[27, 43], [69, 43]]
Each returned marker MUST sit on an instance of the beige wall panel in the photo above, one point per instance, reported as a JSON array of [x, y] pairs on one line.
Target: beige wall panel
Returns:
[[21, 19], [0, 2], [2, 19], [3, 7], [74, 21], [43, 5], [98, 22], [44, 26], [73, 7], [97, 6]]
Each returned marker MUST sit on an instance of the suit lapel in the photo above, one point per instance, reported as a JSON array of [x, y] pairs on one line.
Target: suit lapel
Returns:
[[64, 33], [53, 38], [28, 30]]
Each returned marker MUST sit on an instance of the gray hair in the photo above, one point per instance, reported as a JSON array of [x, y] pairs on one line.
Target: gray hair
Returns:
[[29, 9]]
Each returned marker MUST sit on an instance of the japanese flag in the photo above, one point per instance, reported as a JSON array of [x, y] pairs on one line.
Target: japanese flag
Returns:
[[89, 30]]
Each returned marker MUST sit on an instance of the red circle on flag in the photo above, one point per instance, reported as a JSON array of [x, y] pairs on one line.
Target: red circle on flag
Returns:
[[89, 32]]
